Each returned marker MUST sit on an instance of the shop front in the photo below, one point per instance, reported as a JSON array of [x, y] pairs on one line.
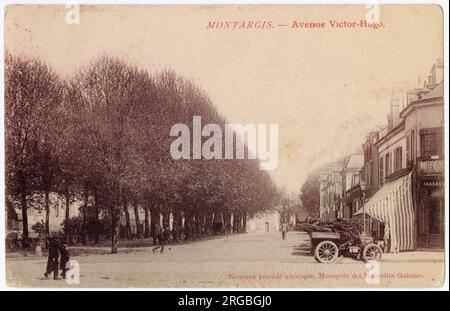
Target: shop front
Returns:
[[430, 204], [392, 209]]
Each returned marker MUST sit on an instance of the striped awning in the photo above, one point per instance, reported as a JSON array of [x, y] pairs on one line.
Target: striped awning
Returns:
[[393, 206]]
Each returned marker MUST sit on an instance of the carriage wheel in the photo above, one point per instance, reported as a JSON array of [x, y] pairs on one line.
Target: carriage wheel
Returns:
[[326, 252], [371, 252]]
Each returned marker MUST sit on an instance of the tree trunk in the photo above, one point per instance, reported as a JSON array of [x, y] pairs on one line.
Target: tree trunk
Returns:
[[23, 203], [244, 222], [226, 222], [114, 230], [209, 222], [127, 220], [47, 212], [137, 220], [146, 223], [115, 222], [237, 218], [83, 216], [176, 229], [67, 216], [187, 225], [181, 224], [166, 219], [154, 219], [97, 219], [198, 227]]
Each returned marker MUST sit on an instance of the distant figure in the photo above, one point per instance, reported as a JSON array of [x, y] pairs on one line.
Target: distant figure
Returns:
[[65, 257], [159, 233], [53, 255], [166, 234], [284, 229]]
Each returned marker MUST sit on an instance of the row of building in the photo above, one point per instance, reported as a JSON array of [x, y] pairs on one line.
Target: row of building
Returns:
[[395, 182]]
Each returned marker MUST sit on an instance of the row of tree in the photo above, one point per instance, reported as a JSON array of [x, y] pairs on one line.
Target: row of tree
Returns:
[[103, 136]]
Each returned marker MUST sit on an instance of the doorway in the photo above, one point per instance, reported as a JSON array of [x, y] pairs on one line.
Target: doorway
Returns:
[[430, 223]]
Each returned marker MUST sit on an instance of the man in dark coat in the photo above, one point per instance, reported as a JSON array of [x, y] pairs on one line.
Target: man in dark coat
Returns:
[[159, 232], [65, 257], [53, 255]]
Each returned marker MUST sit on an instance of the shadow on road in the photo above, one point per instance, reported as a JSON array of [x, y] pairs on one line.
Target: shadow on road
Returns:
[[301, 251]]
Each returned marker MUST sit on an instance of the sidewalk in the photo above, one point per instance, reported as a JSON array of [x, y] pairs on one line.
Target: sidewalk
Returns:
[[103, 248], [415, 256]]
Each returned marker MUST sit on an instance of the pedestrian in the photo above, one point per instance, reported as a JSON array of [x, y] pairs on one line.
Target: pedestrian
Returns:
[[166, 234], [284, 229], [159, 233], [65, 258], [53, 256]]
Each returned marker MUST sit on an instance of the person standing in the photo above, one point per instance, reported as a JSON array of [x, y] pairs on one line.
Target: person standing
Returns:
[[65, 257], [53, 256], [284, 229]]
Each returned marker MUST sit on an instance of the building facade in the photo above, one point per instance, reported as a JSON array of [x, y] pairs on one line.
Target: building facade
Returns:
[[330, 187], [268, 222], [36, 211], [405, 193], [352, 196], [424, 132]]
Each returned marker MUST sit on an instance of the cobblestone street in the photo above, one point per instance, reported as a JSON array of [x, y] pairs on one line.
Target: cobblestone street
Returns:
[[244, 260]]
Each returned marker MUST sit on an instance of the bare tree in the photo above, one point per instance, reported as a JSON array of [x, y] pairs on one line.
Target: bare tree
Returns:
[[32, 94]]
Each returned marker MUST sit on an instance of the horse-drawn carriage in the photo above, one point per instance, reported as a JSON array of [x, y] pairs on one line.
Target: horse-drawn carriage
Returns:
[[333, 238]]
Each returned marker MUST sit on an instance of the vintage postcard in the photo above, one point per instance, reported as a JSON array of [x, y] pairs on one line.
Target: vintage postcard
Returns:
[[225, 146]]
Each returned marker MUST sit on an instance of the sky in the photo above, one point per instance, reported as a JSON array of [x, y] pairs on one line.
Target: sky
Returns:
[[324, 87]]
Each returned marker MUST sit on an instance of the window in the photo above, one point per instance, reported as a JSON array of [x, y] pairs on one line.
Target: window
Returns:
[[431, 144], [408, 149], [398, 159], [381, 173], [369, 174], [388, 164], [411, 148]]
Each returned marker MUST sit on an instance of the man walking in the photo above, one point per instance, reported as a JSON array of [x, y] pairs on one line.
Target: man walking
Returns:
[[53, 258], [160, 233]]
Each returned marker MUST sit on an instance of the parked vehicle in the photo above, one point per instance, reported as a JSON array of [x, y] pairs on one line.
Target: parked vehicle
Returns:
[[333, 238]]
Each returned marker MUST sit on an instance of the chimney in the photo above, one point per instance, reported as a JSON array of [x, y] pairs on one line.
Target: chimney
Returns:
[[395, 111], [438, 71]]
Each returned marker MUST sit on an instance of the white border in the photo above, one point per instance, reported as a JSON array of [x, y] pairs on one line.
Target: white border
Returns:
[[442, 3]]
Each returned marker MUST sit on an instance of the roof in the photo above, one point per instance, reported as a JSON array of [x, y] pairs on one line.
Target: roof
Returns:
[[437, 92], [355, 161], [434, 95]]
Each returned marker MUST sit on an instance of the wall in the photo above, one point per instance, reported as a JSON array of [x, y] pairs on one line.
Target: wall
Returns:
[[258, 222], [36, 210]]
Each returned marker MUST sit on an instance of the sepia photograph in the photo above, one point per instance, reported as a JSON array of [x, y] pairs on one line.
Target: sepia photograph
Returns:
[[291, 146]]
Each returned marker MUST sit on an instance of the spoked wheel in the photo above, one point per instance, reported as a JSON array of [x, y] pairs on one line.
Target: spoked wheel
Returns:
[[371, 252], [326, 252]]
